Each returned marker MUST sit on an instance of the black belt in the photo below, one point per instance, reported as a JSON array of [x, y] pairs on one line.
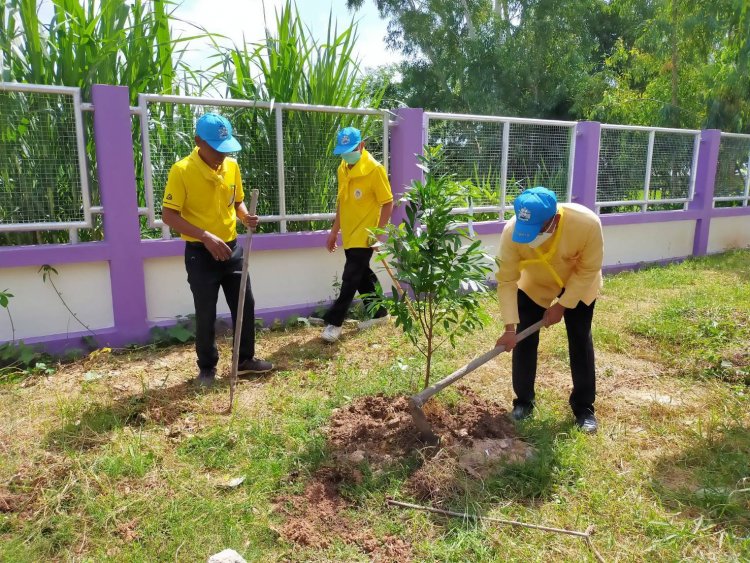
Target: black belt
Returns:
[[197, 244]]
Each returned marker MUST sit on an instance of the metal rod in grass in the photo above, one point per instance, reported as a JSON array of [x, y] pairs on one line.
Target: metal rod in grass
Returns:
[[241, 303], [585, 535]]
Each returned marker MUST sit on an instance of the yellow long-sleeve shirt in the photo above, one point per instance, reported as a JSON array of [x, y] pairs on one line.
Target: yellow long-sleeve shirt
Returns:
[[570, 259]]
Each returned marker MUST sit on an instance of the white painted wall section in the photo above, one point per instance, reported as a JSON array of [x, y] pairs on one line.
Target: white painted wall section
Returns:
[[647, 242], [279, 278], [38, 311], [727, 233]]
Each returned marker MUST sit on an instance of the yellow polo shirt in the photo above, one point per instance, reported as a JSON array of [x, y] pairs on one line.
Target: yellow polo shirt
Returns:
[[363, 190], [571, 258], [205, 197]]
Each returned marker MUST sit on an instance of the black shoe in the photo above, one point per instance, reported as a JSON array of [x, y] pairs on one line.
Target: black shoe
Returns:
[[587, 423], [521, 411], [206, 377], [253, 367]]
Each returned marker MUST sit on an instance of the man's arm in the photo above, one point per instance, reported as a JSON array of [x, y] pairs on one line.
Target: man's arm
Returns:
[[250, 221], [333, 235], [217, 247], [507, 275], [385, 214]]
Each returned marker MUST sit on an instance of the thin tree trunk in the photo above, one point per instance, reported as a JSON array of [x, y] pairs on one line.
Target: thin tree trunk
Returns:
[[429, 361], [430, 335], [469, 21]]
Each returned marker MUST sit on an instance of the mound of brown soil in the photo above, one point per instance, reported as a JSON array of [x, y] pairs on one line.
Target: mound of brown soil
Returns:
[[379, 429], [476, 436]]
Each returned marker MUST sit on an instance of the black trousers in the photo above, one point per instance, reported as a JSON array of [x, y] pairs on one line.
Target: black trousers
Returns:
[[357, 277], [206, 276], [580, 348]]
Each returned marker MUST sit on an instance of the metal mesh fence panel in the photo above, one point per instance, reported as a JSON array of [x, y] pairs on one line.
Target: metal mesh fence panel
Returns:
[[309, 167], [733, 170], [671, 166], [310, 182], [537, 155], [40, 173], [473, 154], [623, 155], [644, 169], [172, 137]]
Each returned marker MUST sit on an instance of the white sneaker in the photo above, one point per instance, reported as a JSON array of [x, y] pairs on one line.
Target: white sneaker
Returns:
[[331, 333], [364, 325]]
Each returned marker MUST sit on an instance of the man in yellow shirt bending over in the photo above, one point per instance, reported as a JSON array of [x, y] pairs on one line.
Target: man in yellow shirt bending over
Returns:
[[550, 267], [364, 202], [202, 201]]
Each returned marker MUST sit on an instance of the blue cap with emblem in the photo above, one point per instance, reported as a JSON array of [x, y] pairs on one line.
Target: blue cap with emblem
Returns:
[[217, 132], [347, 140], [533, 207]]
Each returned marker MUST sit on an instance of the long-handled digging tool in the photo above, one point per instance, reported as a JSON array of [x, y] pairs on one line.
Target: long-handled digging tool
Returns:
[[241, 303], [417, 401], [586, 536], [397, 284]]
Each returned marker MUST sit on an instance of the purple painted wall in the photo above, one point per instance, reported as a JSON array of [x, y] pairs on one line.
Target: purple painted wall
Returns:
[[586, 163], [122, 233], [407, 141], [125, 251], [705, 178]]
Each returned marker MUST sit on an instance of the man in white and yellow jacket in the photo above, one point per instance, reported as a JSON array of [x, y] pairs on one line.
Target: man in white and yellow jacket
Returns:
[[550, 267]]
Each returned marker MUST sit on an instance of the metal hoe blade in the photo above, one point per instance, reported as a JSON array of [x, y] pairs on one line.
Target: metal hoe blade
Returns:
[[423, 425], [417, 401]]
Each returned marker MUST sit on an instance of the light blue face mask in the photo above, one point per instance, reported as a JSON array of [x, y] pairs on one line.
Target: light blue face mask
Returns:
[[351, 157]]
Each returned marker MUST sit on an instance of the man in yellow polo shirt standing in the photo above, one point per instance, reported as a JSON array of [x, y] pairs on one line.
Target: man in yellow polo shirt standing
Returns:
[[364, 202], [550, 267], [202, 201]]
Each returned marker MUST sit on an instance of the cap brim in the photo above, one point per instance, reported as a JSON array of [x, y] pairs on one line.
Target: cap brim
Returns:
[[524, 233], [341, 149], [227, 145]]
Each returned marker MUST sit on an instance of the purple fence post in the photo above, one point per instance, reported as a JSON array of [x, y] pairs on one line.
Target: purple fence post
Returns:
[[586, 163], [407, 141], [117, 186], [703, 194]]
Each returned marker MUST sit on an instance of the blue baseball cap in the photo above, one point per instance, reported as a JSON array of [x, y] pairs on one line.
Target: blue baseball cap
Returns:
[[533, 207], [217, 132], [347, 140]]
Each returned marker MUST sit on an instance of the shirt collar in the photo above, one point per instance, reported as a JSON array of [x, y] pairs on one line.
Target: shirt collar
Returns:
[[208, 172]]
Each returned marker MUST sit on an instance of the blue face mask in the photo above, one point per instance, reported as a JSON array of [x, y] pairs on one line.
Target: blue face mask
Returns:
[[351, 157]]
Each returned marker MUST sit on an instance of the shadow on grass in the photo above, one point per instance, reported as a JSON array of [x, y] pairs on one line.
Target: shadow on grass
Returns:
[[309, 354], [709, 479], [160, 405]]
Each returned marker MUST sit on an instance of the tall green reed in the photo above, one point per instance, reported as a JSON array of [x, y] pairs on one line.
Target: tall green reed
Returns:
[[117, 42], [290, 66]]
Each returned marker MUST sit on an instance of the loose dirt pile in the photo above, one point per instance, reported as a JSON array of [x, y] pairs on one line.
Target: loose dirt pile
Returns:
[[317, 519], [376, 432]]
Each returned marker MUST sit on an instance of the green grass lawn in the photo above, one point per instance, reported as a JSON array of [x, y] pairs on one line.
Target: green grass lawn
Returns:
[[132, 465]]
